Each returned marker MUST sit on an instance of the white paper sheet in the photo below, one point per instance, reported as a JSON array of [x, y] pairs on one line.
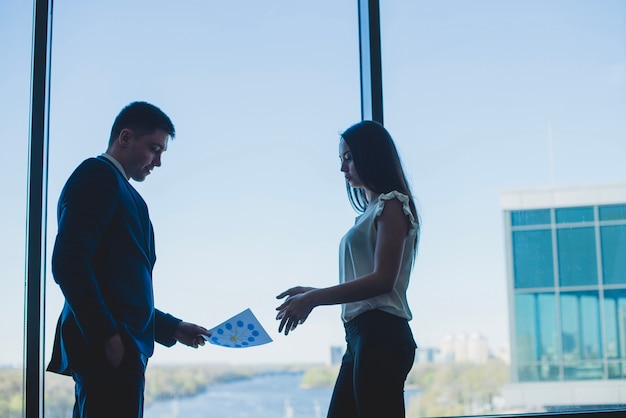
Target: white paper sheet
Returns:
[[241, 331]]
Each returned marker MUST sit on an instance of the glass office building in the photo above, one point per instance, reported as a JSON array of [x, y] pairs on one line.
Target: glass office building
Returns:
[[566, 262]]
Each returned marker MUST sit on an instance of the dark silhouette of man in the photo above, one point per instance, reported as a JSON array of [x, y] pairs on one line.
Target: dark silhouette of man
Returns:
[[102, 260]]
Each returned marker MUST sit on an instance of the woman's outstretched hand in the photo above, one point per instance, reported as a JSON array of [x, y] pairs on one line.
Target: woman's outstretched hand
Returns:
[[295, 309]]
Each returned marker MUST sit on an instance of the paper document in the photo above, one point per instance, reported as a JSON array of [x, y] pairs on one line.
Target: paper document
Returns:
[[241, 331]]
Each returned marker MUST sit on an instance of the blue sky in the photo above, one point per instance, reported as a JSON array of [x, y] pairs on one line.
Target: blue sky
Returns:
[[480, 96]]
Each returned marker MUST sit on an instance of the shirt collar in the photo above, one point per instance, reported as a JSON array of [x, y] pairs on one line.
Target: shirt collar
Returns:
[[116, 164]]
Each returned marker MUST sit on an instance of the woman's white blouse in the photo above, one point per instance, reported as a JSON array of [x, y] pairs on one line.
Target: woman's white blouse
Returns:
[[356, 259]]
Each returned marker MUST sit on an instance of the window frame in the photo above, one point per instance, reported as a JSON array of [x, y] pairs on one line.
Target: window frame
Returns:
[[371, 108]]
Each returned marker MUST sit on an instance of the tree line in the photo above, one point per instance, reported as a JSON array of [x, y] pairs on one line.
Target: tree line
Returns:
[[444, 389]]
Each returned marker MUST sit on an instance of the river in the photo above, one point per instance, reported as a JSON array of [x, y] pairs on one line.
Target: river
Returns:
[[270, 396]]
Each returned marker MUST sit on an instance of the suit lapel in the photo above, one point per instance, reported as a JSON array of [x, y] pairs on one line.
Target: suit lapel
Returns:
[[142, 214], [144, 218]]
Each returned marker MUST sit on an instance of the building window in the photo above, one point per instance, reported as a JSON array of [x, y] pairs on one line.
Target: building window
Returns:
[[577, 257], [580, 318], [537, 336], [530, 217], [615, 325], [613, 244], [569, 215], [532, 252], [612, 212]]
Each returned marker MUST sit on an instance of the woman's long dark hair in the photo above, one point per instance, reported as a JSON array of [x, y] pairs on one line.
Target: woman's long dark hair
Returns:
[[377, 163]]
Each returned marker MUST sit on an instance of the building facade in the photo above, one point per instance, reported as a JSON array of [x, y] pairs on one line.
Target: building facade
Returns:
[[566, 268]]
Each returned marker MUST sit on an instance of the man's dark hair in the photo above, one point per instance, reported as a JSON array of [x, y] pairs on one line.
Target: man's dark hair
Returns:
[[143, 118]]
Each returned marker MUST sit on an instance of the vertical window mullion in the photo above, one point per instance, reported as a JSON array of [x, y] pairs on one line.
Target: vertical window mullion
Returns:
[[36, 201], [370, 61]]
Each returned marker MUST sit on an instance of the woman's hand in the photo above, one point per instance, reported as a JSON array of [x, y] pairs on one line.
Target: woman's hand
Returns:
[[295, 309], [295, 291]]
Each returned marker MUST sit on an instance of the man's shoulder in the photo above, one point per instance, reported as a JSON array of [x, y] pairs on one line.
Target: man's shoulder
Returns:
[[93, 179], [94, 165], [92, 172]]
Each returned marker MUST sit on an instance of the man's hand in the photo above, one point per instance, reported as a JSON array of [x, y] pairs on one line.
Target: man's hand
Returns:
[[114, 350], [190, 334]]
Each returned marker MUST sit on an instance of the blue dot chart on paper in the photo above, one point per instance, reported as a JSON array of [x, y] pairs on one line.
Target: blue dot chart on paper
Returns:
[[240, 331]]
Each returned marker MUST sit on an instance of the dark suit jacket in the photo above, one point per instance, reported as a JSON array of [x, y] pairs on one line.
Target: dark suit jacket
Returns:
[[102, 259]]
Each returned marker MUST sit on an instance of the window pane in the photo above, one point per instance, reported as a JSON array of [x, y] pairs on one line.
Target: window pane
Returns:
[[536, 327], [527, 338], [532, 252], [15, 43], [617, 370], [580, 317], [612, 212], [492, 103], [249, 200], [530, 217], [544, 372], [566, 215], [488, 95], [577, 257], [613, 243], [584, 371], [615, 323]]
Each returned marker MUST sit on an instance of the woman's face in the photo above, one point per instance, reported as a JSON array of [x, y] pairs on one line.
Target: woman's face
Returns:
[[347, 165]]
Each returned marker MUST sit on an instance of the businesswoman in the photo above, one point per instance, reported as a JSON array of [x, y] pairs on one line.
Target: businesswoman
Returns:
[[376, 257]]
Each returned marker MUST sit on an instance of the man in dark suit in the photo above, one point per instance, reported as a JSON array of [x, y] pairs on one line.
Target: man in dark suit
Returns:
[[102, 260]]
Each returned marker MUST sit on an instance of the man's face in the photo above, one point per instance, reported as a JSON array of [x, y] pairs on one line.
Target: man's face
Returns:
[[143, 153]]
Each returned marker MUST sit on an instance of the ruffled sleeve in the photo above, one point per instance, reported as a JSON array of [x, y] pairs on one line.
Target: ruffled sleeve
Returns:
[[380, 205]]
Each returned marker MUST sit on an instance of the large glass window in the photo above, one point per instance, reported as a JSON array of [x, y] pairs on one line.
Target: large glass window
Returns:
[[577, 257], [613, 243], [15, 46], [615, 323], [612, 212], [536, 327], [532, 252], [249, 200], [580, 317], [489, 97], [530, 217], [615, 330], [480, 97], [567, 215], [581, 336]]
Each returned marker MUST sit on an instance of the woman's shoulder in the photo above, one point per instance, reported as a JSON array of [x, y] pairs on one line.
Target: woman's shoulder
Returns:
[[394, 194], [395, 202]]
